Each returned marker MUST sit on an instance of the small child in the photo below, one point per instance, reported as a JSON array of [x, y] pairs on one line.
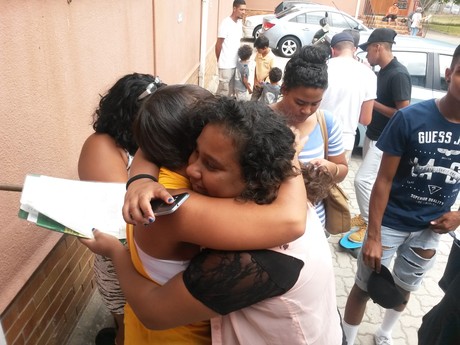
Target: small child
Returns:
[[265, 61], [242, 85], [271, 91]]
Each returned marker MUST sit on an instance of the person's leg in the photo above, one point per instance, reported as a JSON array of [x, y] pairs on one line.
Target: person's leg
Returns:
[[119, 319], [231, 86], [225, 75], [415, 256], [357, 300], [354, 312], [384, 333], [364, 181], [365, 177], [112, 297], [256, 93]]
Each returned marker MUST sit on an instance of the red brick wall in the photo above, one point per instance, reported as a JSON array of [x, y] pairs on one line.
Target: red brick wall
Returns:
[[48, 307]]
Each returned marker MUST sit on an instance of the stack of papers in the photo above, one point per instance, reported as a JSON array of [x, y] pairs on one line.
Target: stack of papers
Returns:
[[73, 207]]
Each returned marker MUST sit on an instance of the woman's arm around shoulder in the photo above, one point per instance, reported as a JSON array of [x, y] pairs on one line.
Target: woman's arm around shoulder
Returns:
[[229, 224]]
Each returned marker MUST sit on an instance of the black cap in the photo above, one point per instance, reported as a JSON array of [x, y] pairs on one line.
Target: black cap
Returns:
[[380, 35], [341, 37], [382, 289]]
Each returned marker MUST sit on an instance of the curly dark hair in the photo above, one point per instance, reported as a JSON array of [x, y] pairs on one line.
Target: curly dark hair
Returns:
[[262, 139], [318, 181], [162, 128], [244, 52], [119, 106], [275, 74], [307, 68]]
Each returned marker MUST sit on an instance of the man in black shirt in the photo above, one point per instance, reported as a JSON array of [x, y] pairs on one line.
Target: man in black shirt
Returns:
[[393, 93]]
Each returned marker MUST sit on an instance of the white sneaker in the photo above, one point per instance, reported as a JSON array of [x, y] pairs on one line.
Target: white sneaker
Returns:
[[382, 340]]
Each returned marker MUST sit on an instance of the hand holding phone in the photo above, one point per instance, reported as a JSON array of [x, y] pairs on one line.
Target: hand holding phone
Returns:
[[160, 208]]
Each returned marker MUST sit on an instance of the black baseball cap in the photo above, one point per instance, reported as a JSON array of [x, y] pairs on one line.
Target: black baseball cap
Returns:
[[382, 289], [342, 37], [380, 35]]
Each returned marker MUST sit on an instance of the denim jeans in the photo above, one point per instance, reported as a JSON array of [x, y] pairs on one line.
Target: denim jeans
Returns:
[[365, 177]]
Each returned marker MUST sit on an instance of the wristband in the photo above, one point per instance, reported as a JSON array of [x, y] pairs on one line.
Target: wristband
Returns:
[[138, 177]]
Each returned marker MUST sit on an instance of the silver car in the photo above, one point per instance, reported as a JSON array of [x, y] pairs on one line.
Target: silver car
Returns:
[[252, 25], [426, 61], [293, 28]]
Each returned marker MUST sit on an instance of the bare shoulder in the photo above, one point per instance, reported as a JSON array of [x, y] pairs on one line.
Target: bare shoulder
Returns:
[[101, 159], [100, 144]]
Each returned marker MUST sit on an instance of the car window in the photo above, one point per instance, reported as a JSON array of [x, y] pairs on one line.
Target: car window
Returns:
[[285, 5], [301, 18], [341, 21], [314, 17], [444, 62], [279, 8], [415, 63], [286, 12]]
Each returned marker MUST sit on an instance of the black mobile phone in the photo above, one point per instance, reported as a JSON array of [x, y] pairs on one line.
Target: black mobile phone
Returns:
[[160, 208]]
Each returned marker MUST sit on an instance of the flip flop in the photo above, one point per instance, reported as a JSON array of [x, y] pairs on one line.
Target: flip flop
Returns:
[[347, 244]]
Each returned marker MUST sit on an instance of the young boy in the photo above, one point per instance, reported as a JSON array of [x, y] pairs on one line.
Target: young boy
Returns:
[[271, 91], [265, 61], [410, 205], [242, 85]]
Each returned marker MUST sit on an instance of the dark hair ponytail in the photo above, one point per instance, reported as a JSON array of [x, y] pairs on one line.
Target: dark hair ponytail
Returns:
[[307, 68]]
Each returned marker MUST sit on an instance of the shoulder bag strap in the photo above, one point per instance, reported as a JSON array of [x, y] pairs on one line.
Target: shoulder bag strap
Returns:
[[322, 125]]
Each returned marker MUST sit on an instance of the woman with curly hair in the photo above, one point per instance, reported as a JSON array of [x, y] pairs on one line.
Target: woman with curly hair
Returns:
[[304, 83], [106, 156], [244, 153]]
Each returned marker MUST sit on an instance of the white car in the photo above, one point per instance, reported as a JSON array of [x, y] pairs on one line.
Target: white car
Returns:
[[296, 27], [252, 25]]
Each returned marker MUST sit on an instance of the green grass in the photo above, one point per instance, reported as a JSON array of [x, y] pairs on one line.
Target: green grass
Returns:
[[445, 19], [446, 29], [445, 23]]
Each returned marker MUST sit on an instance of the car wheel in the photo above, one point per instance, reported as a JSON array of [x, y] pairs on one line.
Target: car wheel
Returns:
[[288, 46], [257, 31]]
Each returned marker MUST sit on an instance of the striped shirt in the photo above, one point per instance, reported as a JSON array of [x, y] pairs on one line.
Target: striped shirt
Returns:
[[314, 148]]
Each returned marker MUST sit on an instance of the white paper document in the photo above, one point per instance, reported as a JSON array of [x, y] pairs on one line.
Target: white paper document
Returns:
[[73, 206]]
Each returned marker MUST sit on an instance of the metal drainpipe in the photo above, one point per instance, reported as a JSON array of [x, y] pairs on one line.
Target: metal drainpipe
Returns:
[[358, 6], [10, 188], [204, 33]]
